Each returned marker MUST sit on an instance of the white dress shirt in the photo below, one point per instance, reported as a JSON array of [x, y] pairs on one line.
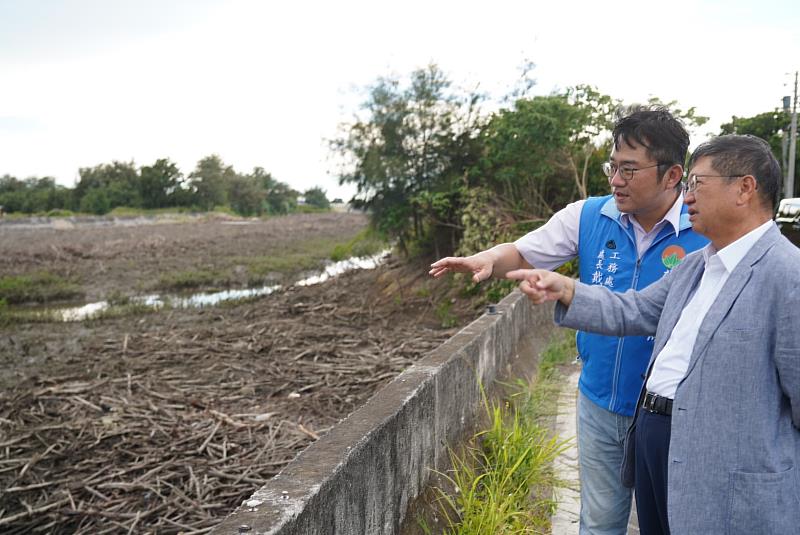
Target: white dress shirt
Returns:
[[556, 242], [645, 239], [673, 360]]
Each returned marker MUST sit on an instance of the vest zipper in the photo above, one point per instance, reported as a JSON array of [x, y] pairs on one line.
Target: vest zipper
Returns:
[[621, 339]]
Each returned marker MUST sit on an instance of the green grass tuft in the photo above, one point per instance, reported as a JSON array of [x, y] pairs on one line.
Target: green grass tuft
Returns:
[[185, 280], [41, 287], [365, 243], [504, 479]]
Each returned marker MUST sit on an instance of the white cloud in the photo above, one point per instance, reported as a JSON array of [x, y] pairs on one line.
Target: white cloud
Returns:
[[265, 83]]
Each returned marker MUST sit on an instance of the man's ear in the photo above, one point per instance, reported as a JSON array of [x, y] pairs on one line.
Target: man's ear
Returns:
[[748, 190], [673, 175]]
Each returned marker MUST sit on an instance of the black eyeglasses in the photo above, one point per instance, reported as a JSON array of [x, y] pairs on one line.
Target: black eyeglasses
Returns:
[[691, 183], [610, 169]]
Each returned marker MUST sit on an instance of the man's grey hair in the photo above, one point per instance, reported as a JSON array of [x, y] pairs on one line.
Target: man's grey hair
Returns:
[[738, 155]]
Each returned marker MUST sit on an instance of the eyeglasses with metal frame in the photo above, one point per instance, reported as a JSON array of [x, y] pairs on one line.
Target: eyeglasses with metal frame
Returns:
[[690, 184], [626, 173]]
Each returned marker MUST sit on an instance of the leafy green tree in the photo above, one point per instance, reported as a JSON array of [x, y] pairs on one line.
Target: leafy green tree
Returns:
[[32, 195], [406, 155], [281, 199], [208, 182], [246, 194], [96, 201], [120, 180], [9, 183], [317, 197], [43, 195], [159, 183], [540, 154], [12, 194], [773, 127], [528, 158], [263, 178], [768, 126]]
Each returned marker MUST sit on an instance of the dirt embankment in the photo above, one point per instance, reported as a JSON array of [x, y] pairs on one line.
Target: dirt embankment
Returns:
[[164, 422]]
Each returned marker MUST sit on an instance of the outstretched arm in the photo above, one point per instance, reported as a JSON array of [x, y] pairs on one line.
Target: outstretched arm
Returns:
[[595, 308], [547, 247], [496, 262]]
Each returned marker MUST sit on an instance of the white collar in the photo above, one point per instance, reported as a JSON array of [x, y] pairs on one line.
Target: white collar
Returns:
[[673, 215], [732, 254]]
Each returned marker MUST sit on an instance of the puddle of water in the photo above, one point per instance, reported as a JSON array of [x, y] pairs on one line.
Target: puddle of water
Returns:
[[81, 313], [337, 268], [212, 298], [202, 299]]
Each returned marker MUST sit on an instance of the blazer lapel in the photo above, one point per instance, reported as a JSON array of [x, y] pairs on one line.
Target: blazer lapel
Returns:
[[729, 293]]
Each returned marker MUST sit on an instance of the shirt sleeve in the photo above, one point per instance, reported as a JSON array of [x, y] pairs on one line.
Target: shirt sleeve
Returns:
[[555, 242]]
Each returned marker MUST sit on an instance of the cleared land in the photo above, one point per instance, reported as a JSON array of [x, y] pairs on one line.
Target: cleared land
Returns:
[[164, 422], [108, 258]]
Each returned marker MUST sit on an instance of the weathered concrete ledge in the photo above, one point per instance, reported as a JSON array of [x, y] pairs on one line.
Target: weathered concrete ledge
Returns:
[[361, 477]]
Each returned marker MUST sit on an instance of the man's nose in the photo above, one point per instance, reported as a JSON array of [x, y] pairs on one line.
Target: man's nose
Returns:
[[617, 180]]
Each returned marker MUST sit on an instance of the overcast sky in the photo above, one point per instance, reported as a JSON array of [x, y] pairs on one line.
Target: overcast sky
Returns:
[[264, 83]]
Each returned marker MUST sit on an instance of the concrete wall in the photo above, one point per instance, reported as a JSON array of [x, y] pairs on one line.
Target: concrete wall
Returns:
[[361, 477]]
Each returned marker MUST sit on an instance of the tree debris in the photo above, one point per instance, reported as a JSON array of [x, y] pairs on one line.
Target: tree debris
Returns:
[[165, 423]]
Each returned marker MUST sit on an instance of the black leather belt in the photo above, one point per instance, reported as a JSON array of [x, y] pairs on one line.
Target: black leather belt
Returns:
[[657, 404]]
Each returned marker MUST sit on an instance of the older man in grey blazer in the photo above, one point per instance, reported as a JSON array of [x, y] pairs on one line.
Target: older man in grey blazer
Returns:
[[716, 445]]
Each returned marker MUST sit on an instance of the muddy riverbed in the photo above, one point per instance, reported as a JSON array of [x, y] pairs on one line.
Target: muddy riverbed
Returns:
[[165, 421]]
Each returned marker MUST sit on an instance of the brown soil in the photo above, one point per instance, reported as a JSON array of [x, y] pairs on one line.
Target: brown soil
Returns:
[[125, 256], [164, 422]]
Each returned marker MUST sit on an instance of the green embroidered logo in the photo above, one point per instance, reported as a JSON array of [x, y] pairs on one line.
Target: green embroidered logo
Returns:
[[672, 256]]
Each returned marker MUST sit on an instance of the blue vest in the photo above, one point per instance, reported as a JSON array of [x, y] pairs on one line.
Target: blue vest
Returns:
[[613, 368]]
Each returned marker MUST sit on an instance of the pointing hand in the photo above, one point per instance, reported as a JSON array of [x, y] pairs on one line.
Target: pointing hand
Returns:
[[541, 285]]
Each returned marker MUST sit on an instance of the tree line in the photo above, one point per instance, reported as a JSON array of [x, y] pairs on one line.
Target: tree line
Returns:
[[438, 174], [105, 187]]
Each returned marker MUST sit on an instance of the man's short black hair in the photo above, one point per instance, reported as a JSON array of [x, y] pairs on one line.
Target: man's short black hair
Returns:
[[738, 155], [655, 128]]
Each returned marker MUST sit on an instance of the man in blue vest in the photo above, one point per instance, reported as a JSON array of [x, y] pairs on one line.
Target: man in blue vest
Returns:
[[628, 239]]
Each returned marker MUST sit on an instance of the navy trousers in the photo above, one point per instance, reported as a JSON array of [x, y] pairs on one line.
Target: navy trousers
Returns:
[[652, 453]]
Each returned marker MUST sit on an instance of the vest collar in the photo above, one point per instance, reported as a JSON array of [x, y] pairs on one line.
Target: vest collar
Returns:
[[610, 210]]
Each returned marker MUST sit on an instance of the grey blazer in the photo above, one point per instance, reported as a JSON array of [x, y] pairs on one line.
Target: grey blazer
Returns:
[[734, 452]]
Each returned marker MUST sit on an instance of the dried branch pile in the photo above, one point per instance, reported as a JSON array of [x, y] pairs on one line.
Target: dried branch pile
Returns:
[[165, 423]]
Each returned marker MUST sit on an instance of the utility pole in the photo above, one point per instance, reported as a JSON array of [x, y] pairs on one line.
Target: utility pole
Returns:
[[792, 145], [787, 108]]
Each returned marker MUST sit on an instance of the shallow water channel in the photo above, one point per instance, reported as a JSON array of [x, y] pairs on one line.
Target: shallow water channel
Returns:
[[155, 301]]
